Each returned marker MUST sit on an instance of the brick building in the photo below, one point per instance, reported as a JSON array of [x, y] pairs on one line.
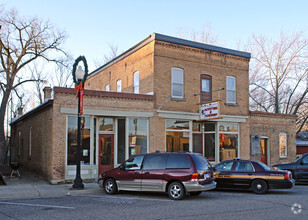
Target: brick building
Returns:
[[147, 99]]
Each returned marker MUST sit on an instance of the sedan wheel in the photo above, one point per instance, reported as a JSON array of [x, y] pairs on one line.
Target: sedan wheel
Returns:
[[110, 186], [259, 186], [176, 191]]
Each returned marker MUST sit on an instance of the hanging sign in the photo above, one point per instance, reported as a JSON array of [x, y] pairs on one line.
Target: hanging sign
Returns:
[[209, 110]]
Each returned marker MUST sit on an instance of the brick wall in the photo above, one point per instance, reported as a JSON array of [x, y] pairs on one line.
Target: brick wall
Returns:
[[41, 142], [196, 62], [141, 60], [270, 125]]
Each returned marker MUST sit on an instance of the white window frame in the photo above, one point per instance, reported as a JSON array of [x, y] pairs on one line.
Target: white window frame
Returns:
[[119, 85], [107, 88], [230, 90], [136, 82], [178, 83], [286, 145]]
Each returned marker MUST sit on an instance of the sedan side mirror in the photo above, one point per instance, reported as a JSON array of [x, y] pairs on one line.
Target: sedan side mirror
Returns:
[[301, 163], [122, 167]]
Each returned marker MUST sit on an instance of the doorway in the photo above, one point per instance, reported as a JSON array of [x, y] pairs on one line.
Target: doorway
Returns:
[[106, 152], [263, 149]]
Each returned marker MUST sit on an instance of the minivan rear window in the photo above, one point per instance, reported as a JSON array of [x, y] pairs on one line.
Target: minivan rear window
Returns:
[[201, 162], [178, 162]]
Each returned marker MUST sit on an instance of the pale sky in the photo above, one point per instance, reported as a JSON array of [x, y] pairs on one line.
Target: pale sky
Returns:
[[92, 24]]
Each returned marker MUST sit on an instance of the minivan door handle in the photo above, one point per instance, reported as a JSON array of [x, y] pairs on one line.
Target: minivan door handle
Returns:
[[147, 173]]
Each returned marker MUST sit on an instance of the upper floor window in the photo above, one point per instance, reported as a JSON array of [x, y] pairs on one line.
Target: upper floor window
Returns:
[[136, 82], [107, 88], [119, 86], [177, 83], [231, 89], [206, 88]]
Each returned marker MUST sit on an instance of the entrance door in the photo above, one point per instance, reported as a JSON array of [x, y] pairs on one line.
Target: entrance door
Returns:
[[263, 148], [105, 152]]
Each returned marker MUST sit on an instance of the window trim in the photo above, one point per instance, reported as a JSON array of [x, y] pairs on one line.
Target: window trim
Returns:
[[286, 145], [135, 85], [173, 96], [107, 86], [227, 101], [206, 96]]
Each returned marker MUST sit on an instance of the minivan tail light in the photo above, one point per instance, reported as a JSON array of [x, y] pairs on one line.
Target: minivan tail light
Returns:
[[194, 177]]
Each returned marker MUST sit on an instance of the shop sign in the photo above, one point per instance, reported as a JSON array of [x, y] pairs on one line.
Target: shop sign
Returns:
[[209, 110]]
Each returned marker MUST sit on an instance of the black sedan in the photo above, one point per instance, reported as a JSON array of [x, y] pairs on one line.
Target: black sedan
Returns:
[[298, 168], [248, 174]]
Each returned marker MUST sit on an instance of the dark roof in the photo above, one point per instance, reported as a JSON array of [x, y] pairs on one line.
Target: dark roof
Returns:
[[39, 108], [165, 38]]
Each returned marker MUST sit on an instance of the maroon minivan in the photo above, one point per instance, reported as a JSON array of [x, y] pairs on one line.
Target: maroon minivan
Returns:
[[177, 173]]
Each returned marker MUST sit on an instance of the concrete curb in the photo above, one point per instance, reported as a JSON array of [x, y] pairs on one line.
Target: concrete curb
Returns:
[[46, 190]]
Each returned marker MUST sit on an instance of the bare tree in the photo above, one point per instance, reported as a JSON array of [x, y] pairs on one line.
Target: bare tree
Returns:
[[205, 36], [113, 53], [278, 76], [22, 41]]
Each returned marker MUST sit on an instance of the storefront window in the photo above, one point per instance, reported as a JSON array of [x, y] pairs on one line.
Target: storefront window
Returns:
[[209, 141], [228, 141], [72, 140], [121, 141], [177, 135], [197, 138], [106, 124], [138, 130], [228, 145]]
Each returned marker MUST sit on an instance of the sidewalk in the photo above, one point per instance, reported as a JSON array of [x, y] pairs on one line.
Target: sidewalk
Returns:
[[31, 185]]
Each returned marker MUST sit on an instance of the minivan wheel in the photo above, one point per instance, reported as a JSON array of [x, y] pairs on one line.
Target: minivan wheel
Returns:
[[176, 191], [259, 186], [110, 186]]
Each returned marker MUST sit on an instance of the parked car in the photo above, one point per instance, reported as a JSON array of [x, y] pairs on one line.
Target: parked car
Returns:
[[175, 173], [248, 174], [298, 168]]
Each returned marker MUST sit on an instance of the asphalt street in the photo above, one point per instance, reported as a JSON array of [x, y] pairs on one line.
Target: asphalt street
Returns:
[[216, 204]]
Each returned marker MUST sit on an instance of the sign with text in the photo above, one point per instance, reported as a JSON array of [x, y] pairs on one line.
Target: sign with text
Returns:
[[209, 110]]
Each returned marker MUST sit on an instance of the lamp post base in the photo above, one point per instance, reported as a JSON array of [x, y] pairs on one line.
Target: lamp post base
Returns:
[[78, 184]]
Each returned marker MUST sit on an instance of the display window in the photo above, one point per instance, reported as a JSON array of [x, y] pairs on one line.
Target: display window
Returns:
[[177, 135], [72, 140], [228, 141]]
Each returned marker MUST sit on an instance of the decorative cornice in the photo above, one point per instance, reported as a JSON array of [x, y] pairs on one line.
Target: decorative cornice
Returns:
[[203, 51], [106, 94], [268, 114]]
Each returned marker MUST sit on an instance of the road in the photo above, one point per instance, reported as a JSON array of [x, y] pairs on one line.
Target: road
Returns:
[[222, 204]]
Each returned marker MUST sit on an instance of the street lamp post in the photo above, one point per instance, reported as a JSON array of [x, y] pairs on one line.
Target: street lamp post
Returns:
[[79, 77]]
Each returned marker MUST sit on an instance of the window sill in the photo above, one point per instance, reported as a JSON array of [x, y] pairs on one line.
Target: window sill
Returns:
[[231, 104], [178, 99]]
